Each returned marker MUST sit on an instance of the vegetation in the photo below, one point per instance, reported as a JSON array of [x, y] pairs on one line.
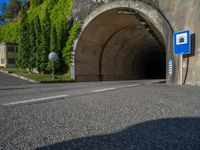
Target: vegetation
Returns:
[[13, 9], [32, 43], [36, 77], [69, 44], [44, 27], [10, 32], [10, 11], [23, 53]]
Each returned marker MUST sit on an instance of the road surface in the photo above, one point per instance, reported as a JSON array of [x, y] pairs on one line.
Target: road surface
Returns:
[[6, 80], [100, 115]]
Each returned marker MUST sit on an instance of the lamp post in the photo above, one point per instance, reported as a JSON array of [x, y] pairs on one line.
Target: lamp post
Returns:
[[53, 57]]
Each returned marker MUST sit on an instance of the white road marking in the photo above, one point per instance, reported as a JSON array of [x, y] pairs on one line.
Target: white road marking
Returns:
[[35, 100], [102, 90], [133, 85]]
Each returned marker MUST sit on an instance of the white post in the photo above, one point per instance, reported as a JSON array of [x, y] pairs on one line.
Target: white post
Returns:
[[181, 69]]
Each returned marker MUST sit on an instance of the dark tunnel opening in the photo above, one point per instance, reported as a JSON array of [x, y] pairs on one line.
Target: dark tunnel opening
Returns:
[[154, 65], [131, 54]]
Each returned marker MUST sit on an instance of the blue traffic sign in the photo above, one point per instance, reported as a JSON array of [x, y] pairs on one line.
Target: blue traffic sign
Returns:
[[182, 42]]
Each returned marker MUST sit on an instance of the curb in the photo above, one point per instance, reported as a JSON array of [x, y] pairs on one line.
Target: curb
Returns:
[[58, 81], [158, 81], [18, 76]]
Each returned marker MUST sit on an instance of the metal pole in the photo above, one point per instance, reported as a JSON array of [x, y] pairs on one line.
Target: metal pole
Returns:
[[181, 69], [53, 71]]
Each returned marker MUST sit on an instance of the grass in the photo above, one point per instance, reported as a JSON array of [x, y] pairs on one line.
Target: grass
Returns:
[[37, 77]]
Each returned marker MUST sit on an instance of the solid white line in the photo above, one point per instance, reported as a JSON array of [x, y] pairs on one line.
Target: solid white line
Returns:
[[35, 100], [102, 90]]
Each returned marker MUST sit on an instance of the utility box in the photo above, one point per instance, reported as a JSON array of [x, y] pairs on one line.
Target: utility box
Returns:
[[8, 54]]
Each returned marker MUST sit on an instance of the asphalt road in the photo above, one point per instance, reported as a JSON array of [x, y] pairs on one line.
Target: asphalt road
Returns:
[[6, 80], [100, 115], [29, 92]]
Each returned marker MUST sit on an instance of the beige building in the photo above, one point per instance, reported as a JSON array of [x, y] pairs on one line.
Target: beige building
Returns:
[[8, 54]]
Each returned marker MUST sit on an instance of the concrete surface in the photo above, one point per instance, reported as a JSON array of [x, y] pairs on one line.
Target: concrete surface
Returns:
[[184, 14], [22, 78], [179, 14], [6, 80]]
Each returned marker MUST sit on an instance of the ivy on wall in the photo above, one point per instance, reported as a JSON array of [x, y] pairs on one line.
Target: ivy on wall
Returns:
[[73, 33]]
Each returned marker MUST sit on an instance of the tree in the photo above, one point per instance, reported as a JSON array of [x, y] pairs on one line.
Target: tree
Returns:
[[36, 3], [14, 8], [33, 48], [45, 42], [54, 1], [38, 37], [44, 51], [53, 42], [63, 35], [47, 28], [23, 53]]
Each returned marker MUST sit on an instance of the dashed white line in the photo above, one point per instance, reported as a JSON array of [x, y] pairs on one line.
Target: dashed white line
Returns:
[[35, 100], [133, 85], [62, 96], [102, 90]]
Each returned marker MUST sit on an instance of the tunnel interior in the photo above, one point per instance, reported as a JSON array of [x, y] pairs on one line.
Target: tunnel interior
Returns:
[[120, 44]]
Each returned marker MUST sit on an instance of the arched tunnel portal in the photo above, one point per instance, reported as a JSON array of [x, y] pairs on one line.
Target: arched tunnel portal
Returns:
[[122, 43]]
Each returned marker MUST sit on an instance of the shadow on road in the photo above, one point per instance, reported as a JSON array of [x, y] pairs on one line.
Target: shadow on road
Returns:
[[172, 133]]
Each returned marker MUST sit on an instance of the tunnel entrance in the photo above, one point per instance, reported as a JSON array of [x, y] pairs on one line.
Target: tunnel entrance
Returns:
[[148, 65], [121, 44], [133, 52]]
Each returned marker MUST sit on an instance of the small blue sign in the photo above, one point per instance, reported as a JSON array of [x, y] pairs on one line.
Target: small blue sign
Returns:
[[182, 42]]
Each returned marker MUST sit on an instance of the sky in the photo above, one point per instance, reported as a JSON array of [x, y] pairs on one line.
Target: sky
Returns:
[[2, 1]]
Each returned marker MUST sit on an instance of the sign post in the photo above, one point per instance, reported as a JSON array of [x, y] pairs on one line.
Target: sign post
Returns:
[[181, 69], [182, 45], [53, 57]]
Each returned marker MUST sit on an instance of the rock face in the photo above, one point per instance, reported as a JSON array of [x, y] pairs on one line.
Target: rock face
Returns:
[[99, 35]]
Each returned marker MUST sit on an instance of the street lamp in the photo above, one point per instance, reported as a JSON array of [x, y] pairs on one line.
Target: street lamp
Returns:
[[53, 57]]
